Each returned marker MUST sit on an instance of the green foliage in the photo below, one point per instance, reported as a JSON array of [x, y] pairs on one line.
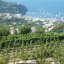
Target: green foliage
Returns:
[[3, 59], [33, 46], [4, 31], [25, 29], [59, 27], [40, 29]]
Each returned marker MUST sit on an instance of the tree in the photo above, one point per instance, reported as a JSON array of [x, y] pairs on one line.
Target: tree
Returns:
[[25, 29], [4, 31]]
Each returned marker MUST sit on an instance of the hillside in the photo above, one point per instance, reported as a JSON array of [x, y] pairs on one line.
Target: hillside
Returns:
[[12, 8]]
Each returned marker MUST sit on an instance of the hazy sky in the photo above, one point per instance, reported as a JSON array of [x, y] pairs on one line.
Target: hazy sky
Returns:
[[41, 3], [23, 1], [36, 1]]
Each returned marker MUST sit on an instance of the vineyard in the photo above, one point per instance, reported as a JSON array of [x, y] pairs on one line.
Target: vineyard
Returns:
[[32, 46]]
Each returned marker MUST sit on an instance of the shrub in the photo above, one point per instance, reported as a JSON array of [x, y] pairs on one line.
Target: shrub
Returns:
[[25, 29], [40, 29], [4, 60], [4, 31]]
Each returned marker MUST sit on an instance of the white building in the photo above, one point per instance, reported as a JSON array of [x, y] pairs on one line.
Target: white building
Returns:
[[33, 29], [13, 30], [48, 26]]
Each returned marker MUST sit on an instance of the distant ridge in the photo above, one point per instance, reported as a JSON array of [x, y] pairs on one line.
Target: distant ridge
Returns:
[[12, 8]]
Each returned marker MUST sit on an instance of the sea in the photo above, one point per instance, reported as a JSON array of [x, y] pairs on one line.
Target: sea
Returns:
[[43, 8]]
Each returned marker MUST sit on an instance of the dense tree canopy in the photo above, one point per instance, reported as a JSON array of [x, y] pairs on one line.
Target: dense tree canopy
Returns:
[[13, 8]]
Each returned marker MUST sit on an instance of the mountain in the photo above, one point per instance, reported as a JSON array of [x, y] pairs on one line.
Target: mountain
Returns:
[[13, 8]]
